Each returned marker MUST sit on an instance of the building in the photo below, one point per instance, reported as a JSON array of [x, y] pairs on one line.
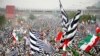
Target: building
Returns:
[[10, 12]]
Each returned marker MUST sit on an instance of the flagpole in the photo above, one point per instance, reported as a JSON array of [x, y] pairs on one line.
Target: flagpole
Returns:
[[59, 1]]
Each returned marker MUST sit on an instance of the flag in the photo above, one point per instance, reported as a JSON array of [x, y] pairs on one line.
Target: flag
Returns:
[[75, 53], [71, 31], [88, 42], [15, 37], [64, 23], [59, 36], [68, 29], [33, 42], [73, 26], [65, 44], [64, 18]]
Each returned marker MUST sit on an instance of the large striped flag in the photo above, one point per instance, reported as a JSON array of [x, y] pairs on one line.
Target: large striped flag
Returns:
[[88, 42], [69, 28], [71, 31], [73, 26], [64, 23], [64, 16], [33, 42]]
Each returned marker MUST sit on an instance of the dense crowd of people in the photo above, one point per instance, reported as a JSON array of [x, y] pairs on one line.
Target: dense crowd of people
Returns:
[[47, 35]]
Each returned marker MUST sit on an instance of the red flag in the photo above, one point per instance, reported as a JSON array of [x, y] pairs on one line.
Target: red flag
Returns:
[[59, 36], [65, 44]]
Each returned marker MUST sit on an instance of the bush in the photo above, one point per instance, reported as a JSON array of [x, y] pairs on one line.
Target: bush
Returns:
[[2, 20], [85, 18], [32, 17]]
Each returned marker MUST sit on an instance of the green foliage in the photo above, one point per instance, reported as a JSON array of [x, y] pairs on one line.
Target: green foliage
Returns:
[[2, 20], [32, 17], [71, 14], [85, 18]]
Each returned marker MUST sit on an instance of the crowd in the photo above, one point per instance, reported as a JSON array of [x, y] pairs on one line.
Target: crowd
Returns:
[[47, 35]]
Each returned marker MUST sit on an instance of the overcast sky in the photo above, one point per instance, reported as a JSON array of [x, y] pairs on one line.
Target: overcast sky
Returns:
[[48, 4]]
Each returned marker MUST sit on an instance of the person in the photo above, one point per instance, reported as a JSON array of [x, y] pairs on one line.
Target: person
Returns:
[[42, 34], [3, 53], [65, 54], [69, 53], [26, 39]]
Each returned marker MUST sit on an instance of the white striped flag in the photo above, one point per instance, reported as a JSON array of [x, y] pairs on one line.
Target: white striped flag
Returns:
[[71, 31], [73, 26], [33, 42], [64, 23], [64, 16]]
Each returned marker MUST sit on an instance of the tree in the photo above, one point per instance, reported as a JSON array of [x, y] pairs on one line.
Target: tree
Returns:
[[71, 14], [32, 17], [2, 20], [85, 18]]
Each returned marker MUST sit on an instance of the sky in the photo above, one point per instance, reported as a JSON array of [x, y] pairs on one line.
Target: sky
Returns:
[[48, 4]]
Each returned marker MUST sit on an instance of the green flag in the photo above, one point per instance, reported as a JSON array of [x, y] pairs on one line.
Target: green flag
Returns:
[[75, 53]]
